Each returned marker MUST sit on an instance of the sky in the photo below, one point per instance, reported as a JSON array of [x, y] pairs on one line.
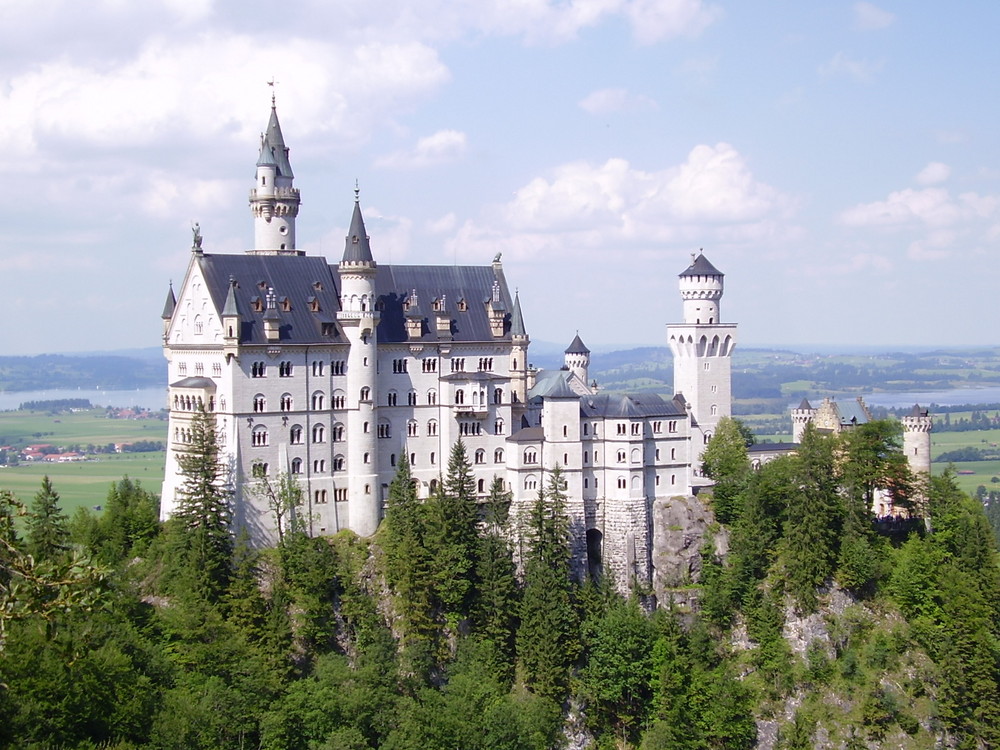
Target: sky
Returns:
[[838, 161]]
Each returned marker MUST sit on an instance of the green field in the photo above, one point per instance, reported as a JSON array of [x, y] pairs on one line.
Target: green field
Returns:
[[66, 428], [84, 483]]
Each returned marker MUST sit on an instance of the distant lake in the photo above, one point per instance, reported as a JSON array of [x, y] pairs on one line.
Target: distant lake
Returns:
[[902, 399], [150, 398]]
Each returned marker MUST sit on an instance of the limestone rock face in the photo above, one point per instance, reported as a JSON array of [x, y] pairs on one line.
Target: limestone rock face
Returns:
[[680, 526]]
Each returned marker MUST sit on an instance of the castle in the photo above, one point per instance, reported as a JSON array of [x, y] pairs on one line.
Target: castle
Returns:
[[331, 372]]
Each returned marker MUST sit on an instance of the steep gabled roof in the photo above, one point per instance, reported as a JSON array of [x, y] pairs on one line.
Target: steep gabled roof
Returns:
[[298, 277], [395, 284], [630, 406], [701, 267]]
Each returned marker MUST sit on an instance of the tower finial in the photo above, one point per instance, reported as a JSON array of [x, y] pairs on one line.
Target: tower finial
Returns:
[[271, 83], [357, 191]]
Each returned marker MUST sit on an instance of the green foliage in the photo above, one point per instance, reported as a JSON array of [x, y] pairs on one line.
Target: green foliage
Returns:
[[204, 542], [725, 460], [48, 531], [547, 638]]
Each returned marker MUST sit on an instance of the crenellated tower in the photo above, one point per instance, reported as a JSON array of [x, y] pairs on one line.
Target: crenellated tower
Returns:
[[702, 347], [359, 320], [917, 427], [800, 418], [274, 202]]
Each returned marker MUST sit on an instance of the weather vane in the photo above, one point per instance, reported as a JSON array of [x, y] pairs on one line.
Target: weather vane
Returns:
[[272, 83]]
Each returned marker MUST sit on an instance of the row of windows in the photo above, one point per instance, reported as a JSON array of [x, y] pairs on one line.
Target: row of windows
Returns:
[[199, 369], [193, 403], [285, 369], [531, 482]]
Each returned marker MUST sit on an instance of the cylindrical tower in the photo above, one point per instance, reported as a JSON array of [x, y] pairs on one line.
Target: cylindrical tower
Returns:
[[800, 418], [577, 358], [359, 321], [917, 427], [274, 202]]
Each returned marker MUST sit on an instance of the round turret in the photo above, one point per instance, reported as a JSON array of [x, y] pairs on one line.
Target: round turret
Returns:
[[701, 286], [917, 427], [577, 358]]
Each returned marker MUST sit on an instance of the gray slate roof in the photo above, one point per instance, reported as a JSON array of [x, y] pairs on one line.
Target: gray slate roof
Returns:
[[630, 406], [851, 412], [701, 267], [274, 142], [194, 382], [577, 346], [170, 304], [516, 319], [291, 276], [474, 284], [357, 248]]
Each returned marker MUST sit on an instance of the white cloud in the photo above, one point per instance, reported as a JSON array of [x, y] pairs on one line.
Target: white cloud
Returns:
[[843, 64], [607, 101], [581, 208], [444, 224], [442, 147], [934, 173], [655, 20], [168, 91], [868, 17]]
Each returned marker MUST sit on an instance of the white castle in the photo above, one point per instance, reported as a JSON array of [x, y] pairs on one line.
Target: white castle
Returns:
[[331, 373]]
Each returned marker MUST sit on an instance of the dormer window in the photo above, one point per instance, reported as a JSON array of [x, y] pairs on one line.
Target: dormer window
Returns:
[[437, 305], [463, 305], [257, 304], [286, 304], [318, 286], [313, 304], [262, 284]]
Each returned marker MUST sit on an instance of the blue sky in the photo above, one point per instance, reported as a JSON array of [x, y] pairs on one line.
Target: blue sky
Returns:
[[839, 161]]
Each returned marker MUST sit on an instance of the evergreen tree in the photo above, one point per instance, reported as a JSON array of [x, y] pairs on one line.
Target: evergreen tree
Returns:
[[813, 520], [453, 538], [725, 460], [547, 639], [48, 529], [203, 513], [408, 567], [496, 617]]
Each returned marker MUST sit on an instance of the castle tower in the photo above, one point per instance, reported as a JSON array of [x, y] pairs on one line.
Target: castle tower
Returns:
[[168, 311], [702, 347], [359, 321], [917, 439], [518, 353], [274, 202], [577, 358], [800, 418]]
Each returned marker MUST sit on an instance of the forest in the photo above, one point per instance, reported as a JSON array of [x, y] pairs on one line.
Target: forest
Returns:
[[460, 625]]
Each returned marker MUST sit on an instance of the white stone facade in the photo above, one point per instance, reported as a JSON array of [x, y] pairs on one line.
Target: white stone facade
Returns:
[[332, 372]]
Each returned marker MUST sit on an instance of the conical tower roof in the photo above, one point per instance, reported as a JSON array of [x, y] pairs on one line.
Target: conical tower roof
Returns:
[[357, 249], [577, 346], [170, 304], [516, 319], [275, 142], [700, 266], [231, 308]]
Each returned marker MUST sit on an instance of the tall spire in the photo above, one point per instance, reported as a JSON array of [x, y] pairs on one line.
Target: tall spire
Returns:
[[357, 249], [516, 319], [170, 304], [274, 200], [275, 142]]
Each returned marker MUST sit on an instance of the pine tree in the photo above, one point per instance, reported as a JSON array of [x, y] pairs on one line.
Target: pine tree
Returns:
[[453, 538], [496, 618], [548, 639], [725, 460], [48, 530], [204, 513]]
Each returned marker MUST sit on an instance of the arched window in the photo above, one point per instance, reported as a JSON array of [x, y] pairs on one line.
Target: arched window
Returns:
[[337, 433], [259, 403], [432, 397], [339, 399], [498, 456], [318, 433], [432, 427], [366, 393], [295, 435], [715, 410], [412, 429], [460, 396], [531, 482], [636, 457], [498, 426], [390, 398], [258, 438], [481, 486], [338, 463], [296, 466], [286, 401], [480, 456], [621, 457], [530, 456], [318, 401], [498, 395]]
